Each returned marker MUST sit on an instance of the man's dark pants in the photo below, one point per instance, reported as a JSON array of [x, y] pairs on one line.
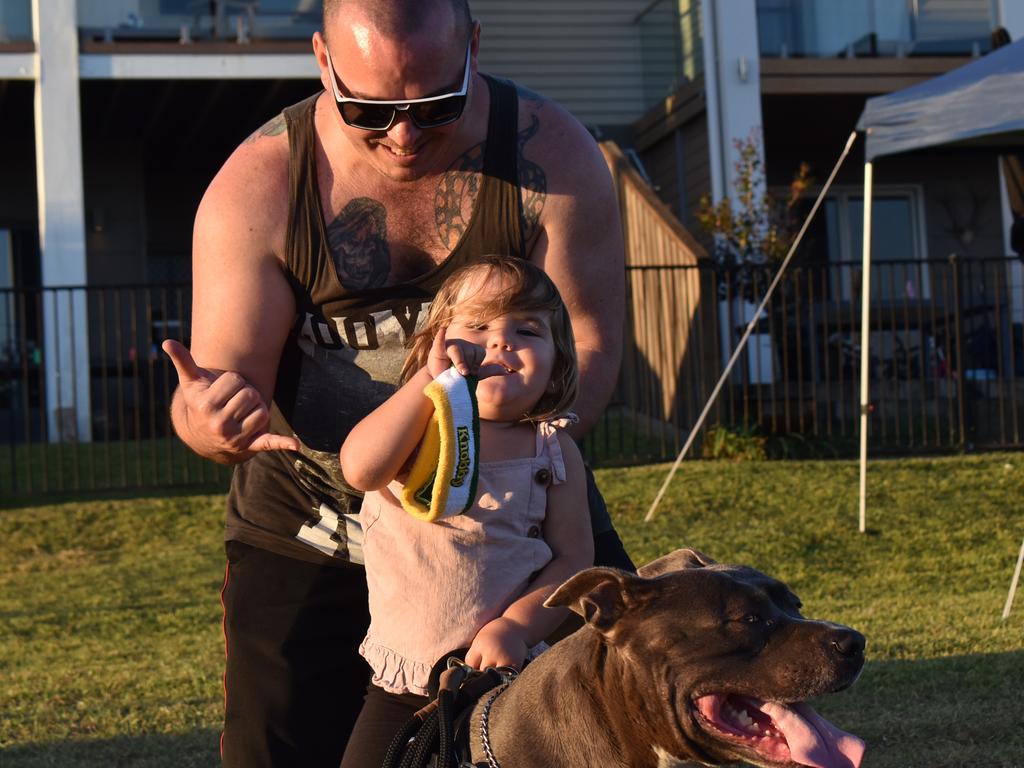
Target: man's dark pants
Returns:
[[294, 681]]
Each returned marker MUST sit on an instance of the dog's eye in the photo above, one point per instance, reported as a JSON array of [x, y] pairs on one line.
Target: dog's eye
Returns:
[[752, 618]]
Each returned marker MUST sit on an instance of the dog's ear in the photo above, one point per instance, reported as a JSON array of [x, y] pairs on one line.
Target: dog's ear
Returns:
[[602, 596], [679, 560]]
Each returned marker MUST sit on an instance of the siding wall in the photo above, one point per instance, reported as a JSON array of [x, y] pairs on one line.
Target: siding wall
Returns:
[[591, 56], [672, 140]]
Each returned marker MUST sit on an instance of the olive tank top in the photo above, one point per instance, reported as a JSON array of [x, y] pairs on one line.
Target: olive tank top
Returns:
[[346, 348]]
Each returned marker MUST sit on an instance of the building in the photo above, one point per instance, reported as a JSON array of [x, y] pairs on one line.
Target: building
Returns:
[[117, 113], [947, 293]]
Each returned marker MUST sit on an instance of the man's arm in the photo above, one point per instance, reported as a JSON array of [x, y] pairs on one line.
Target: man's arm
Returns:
[[579, 243], [242, 308]]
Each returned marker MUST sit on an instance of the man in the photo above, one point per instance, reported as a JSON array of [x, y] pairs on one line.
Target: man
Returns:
[[317, 248]]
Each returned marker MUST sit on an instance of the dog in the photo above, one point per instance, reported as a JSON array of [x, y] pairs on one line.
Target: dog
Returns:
[[687, 662]]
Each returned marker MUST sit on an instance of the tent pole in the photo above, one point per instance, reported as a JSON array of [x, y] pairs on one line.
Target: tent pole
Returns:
[[865, 310], [750, 328], [1013, 583]]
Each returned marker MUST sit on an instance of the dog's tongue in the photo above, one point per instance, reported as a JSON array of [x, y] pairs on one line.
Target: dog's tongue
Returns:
[[812, 739]]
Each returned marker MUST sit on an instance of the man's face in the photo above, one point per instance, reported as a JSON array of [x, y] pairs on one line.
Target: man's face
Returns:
[[368, 65]]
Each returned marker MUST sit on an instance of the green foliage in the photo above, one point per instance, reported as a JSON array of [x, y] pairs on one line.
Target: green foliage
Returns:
[[734, 444], [112, 651], [756, 228]]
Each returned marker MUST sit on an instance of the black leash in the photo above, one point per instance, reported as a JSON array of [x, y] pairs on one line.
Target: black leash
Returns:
[[433, 730]]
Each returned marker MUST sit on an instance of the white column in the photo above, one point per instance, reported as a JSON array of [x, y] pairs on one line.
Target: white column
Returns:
[[715, 157], [61, 218], [734, 72]]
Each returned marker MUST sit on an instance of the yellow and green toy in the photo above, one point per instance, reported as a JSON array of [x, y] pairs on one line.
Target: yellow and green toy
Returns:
[[442, 481]]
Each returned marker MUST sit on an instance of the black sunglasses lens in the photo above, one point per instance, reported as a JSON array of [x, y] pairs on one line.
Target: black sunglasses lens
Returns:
[[372, 117], [430, 114]]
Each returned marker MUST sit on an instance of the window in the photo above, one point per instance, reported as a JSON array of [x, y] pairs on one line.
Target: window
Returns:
[[897, 243]]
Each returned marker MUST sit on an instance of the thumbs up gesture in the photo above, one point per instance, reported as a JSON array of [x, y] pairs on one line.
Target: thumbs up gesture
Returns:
[[225, 418]]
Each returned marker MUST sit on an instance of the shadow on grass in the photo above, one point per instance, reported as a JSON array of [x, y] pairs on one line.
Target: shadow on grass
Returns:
[[933, 713], [56, 497], [936, 713], [197, 749]]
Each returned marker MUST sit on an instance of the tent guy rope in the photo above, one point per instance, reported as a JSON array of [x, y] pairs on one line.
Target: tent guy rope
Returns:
[[750, 328]]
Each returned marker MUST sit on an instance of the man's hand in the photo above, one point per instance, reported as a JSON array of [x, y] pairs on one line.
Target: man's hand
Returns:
[[499, 643], [225, 418], [464, 355]]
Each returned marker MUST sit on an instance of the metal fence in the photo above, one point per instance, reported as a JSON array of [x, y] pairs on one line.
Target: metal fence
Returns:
[[946, 359], [84, 390], [84, 387]]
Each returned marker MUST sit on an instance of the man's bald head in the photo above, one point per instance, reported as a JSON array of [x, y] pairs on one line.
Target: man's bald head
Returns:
[[400, 18]]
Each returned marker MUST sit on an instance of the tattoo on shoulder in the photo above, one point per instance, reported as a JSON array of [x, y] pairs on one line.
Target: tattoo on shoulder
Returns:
[[357, 240], [525, 94], [273, 127], [456, 194], [533, 183]]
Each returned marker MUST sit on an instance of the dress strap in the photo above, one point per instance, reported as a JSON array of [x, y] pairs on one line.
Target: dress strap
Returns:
[[547, 444]]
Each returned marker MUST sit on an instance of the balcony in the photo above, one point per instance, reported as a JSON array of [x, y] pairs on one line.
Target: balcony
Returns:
[[120, 22], [873, 28]]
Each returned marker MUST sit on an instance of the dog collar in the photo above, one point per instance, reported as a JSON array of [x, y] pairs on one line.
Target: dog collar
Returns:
[[485, 715]]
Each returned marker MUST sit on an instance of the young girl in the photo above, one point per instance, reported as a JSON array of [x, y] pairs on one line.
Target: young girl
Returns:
[[478, 579]]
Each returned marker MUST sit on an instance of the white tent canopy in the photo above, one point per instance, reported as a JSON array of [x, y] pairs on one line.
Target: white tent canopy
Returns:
[[980, 104]]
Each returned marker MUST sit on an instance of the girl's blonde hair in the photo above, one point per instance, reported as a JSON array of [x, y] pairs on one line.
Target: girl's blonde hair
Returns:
[[523, 288]]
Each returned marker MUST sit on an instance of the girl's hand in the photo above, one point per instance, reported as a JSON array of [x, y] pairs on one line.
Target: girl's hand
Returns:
[[499, 643], [464, 355]]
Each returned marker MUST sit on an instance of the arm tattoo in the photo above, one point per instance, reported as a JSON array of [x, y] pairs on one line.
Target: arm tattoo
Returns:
[[533, 184], [458, 188], [525, 94], [357, 240], [275, 126]]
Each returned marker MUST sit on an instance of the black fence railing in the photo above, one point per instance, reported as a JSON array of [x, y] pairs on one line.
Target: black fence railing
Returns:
[[946, 360], [85, 389]]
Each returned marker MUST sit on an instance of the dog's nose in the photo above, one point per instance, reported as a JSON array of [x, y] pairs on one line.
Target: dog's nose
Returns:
[[847, 642]]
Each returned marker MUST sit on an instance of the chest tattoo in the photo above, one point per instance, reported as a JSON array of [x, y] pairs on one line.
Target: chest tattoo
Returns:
[[532, 183], [357, 240], [459, 187], [456, 195]]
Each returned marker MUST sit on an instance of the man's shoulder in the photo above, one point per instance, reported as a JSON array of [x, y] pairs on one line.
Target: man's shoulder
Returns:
[[549, 127], [258, 167], [250, 191], [556, 150]]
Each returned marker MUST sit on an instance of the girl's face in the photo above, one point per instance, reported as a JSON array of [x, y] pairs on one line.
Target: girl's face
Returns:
[[521, 342]]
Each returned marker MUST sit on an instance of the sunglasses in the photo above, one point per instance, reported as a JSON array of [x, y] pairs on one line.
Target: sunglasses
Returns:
[[430, 112]]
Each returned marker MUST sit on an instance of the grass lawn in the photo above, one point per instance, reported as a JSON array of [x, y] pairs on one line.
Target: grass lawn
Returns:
[[111, 649]]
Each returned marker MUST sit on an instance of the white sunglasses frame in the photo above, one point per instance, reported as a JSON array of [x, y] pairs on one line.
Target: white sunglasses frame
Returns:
[[399, 106]]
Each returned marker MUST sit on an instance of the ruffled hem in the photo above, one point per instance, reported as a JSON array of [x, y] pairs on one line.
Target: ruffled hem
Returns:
[[394, 672]]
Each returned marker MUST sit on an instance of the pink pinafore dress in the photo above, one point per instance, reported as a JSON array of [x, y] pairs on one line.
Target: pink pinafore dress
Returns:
[[434, 585]]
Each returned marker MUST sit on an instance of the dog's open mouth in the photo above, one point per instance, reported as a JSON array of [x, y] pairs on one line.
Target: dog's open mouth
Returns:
[[779, 733]]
